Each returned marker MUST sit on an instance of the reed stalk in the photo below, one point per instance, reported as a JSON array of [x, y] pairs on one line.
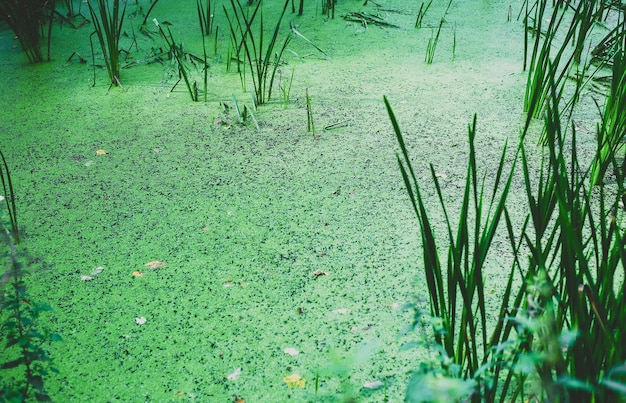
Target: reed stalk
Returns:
[[107, 22]]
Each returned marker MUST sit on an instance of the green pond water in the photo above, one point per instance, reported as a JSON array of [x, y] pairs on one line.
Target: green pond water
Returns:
[[245, 218]]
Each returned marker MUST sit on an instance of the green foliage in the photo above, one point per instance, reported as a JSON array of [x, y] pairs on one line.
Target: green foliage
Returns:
[[262, 59], [25, 361], [562, 319], [107, 25], [24, 17]]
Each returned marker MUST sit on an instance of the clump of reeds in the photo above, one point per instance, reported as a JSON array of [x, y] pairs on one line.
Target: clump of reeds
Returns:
[[262, 58], [25, 17], [611, 131], [107, 21], [560, 323]]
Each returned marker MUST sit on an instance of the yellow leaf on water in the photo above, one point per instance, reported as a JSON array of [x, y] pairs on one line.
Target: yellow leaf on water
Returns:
[[294, 381]]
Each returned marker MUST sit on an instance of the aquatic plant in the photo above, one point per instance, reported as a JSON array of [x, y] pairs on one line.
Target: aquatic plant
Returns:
[[107, 25], [546, 64], [310, 124], [434, 37], [178, 54], [262, 59], [328, 8], [421, 13], [432, 43], [612, 129], [284, 86], [145, 18], [205, 17], [25, 17], [562, 314], [25, 362], [462, 335], [246, 114], [8, 196]]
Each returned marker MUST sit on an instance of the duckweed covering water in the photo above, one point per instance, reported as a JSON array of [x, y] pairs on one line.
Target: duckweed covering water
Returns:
[[243, 218]]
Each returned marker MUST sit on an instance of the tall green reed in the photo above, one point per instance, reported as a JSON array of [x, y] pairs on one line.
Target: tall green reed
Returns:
[[585, 280], [558, 333], [205, 17], [456, 287], [107, 22], [612, 128], [25, 17], [262, 59], [568, 26]]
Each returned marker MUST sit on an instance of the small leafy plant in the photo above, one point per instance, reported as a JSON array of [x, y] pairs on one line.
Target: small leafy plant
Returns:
[[25, 361]]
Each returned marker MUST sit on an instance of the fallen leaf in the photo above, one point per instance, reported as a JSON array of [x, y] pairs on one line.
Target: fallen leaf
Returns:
[[97, 271], [85, 277], [239, 399], [155, 264], [179, 394], [373, 384], [318, 273], [234, 375], [138, 273], [294, 380], [101, 152], [341, 311], [140, 321], [291, 351]]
